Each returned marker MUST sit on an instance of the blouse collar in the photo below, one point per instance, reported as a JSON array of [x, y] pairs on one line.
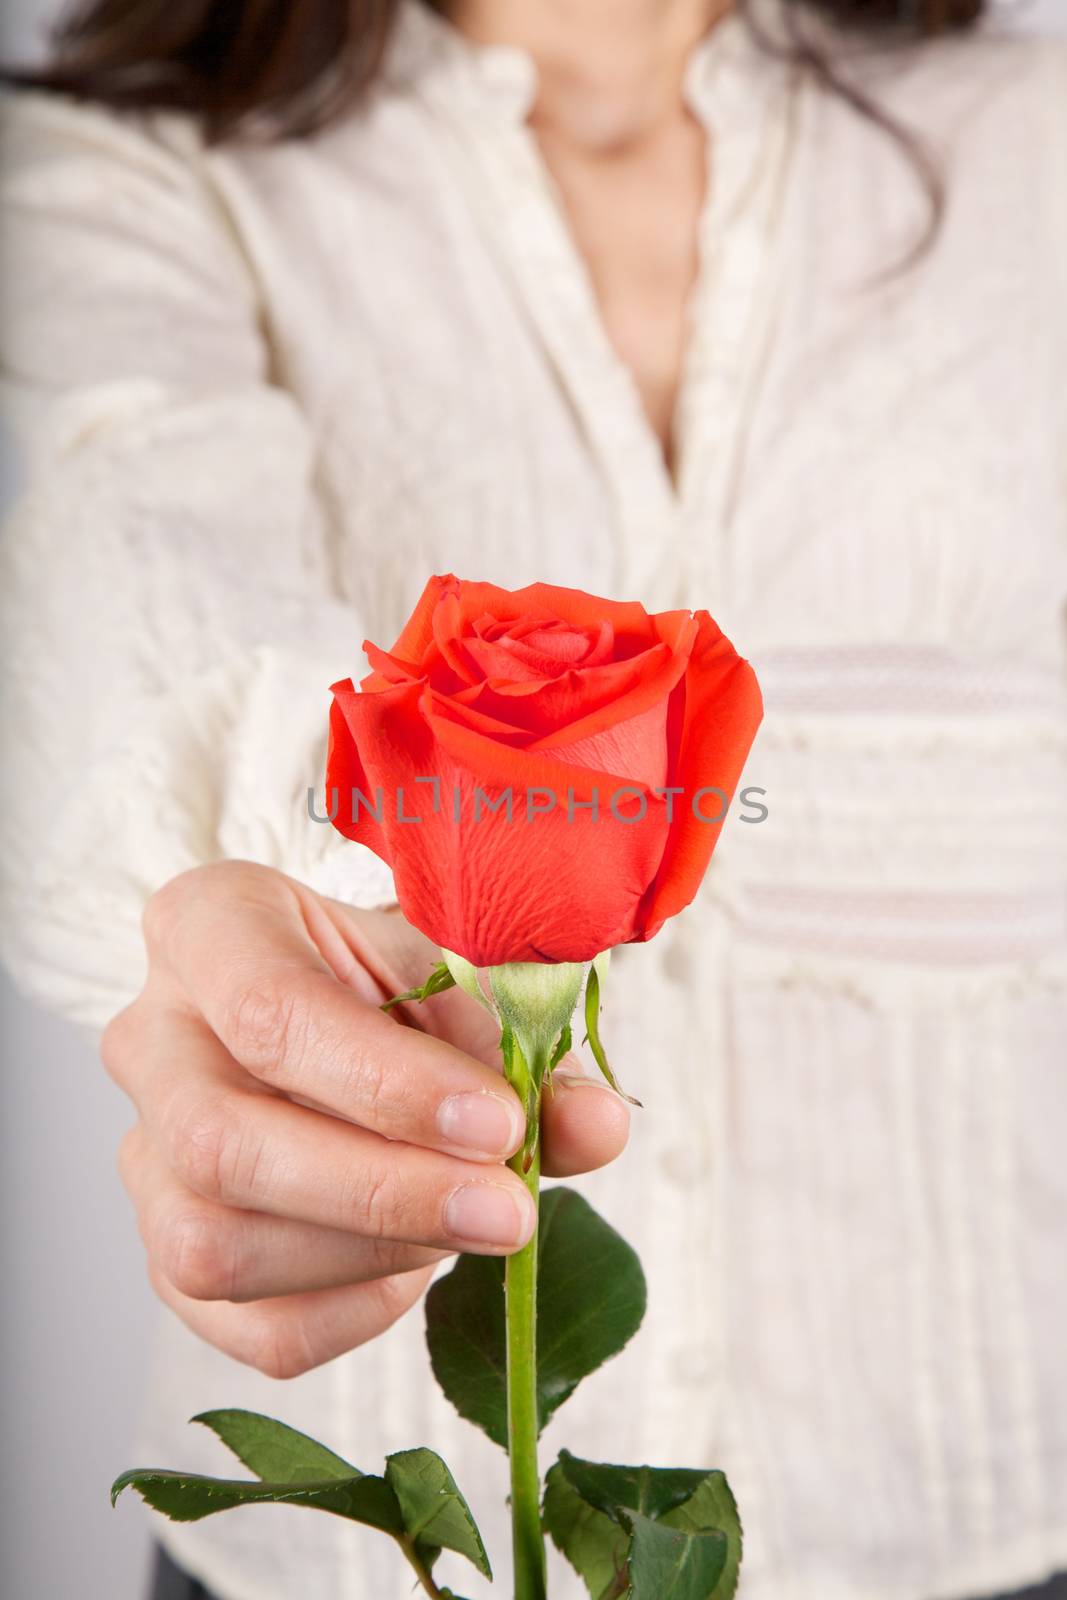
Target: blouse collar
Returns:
[[427, 55]]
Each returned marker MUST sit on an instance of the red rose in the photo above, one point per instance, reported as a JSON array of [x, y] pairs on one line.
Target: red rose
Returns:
[[536, 736]]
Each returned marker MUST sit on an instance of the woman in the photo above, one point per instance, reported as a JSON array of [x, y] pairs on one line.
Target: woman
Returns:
[[307, 302]]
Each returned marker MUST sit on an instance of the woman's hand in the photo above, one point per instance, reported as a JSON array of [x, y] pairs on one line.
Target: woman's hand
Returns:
[[302, 1159]]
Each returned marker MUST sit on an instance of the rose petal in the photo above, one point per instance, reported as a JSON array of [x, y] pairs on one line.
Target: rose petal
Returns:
[[550, 889], [719, 707], [652, 684], [636, 746], [499, 890], [547, 600], [457, 708], [417, 632], [388, 668], [454, 650], [511, 660], [345, 771], [577, 706]]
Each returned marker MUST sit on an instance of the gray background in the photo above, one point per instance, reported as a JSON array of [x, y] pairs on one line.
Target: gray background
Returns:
[[76, 1313]]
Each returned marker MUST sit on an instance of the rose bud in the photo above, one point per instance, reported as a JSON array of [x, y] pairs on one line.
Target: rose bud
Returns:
[[545, 772]]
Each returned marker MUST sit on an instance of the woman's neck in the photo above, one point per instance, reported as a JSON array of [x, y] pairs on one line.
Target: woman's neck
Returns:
[[610, 71]]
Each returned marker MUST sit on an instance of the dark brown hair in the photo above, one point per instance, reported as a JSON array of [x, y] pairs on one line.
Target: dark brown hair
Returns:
[[287, 67], [284, 68]]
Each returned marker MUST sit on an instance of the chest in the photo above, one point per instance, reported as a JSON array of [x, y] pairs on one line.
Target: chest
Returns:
[[634, 218], [850, 468]]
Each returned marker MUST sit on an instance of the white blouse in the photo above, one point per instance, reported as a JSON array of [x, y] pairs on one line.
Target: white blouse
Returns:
[[266, 391]]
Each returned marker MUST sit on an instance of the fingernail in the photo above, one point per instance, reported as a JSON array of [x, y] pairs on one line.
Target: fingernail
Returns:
[[482, 1121], [487, 1213]]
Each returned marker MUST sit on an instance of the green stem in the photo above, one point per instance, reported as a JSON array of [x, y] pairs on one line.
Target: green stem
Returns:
[[422, 1571], [520, 1286]]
